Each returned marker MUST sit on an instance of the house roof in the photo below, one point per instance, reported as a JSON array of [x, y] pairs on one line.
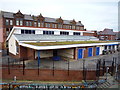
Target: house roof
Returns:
[[107, 32], [39, 37], [29, 17]]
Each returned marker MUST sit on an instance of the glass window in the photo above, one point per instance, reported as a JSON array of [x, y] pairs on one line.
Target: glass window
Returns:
[[17, 21], [64, 33], [77, 27], [47, 24], [42, 24], [21, 22], [32, 31], [59, 25], [70, 27], [27, 31], [27, 23], [76, 33], [30, 23], [48, 32], [7, 22], [22, 31], [81, 28], [73, 27], [38, 24], [35, 24], [11, 22]]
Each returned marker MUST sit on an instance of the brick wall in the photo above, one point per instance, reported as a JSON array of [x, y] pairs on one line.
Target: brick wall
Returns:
[[88, 34], [47, 75]]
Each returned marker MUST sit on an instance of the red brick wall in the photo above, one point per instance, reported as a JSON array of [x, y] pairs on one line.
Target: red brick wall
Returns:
[[47, 75], [88, 34], [30, 53], [23, 52], [110, 37]]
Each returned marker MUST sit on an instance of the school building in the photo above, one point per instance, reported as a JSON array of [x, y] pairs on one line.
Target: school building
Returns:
[[35, 43]]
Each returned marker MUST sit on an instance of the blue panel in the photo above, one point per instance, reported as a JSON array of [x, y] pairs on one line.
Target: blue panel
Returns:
[[80, 53], [89, 52], [56, 58], [97, 50]]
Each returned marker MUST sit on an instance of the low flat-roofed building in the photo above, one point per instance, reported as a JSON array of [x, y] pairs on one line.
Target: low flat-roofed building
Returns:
[[27, 43]]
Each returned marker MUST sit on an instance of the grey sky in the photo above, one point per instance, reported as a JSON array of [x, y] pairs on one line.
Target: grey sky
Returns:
[[94, 14]]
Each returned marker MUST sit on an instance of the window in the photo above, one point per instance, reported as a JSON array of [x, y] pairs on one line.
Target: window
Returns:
[[76, 33], [42, 24], [7, 22], [11, 22], [38, 24], [81, 28], [17, 22], [64, 33], [70, 27], [30, 23], [22, 31], [77, 27], [73, 27], [54, 25], [67, 27], [27, 31], [35, 24], [59, 25], [48, 32], [7, 31], [47, 25], [21, 22], [27, 23]]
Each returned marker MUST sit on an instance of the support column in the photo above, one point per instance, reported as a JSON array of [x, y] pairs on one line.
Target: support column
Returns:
[[38, 58], [75, 53]]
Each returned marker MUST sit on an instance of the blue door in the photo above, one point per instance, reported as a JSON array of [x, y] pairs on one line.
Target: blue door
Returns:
[[89, 52], [97, 51], [80, 53]]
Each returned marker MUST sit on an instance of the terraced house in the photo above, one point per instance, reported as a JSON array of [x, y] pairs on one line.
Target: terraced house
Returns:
[[9, 19]]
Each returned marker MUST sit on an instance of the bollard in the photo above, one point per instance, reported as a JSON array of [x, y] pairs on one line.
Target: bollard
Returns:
[[15, 78]]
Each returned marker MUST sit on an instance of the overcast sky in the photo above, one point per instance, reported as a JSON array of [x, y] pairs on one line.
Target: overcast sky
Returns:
[[94, 14]]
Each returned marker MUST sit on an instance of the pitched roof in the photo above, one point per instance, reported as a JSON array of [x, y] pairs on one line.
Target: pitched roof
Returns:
[[106, 32], [29, 17], [38, 37]]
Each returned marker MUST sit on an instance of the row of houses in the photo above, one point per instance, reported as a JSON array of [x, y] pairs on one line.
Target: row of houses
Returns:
[[10, 19]]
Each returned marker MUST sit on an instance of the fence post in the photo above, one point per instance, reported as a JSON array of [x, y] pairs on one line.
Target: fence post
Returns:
[[23, 67], [84, 73], [103, 66], [8, 66], [68, 67], [53, 67]]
